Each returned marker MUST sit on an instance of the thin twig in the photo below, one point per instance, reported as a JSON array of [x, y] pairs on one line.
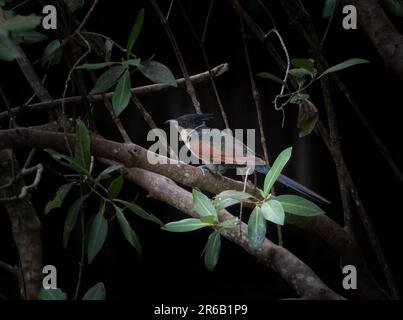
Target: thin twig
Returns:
[[206, 59], [117, 121], [207, 20], [189, 86], [46, 105]]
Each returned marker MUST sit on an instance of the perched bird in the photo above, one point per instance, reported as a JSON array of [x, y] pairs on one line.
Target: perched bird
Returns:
[[219, 150]]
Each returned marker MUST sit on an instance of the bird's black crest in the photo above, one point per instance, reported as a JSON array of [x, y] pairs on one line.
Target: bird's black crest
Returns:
[[194, 120]]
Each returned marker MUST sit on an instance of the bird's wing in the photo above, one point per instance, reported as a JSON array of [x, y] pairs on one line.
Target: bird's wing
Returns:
[[224, 149]]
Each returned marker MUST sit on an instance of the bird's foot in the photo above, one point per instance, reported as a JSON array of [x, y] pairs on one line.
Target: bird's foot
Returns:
[[212, 168]]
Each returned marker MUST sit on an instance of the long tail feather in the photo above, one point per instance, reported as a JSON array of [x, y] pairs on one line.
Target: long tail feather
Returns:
[[290, 183]]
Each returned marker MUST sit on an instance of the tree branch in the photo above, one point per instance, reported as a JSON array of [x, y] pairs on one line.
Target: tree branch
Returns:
[[49, 103], [132, 155], [296, 273]]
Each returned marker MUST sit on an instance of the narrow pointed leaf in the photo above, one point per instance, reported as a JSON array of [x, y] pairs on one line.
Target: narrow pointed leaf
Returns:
[[108, 79], [52, 54], [136, 30], [82, 152], [185, 225], [105, 174], [276, 169], [203, 205], [57, 200], [256, 228], [127, 231], [98, 231], [115, 187], [71, 218], [268, 75], [273, 211], [344, 65], [140, 211], [157, 73], [299, 206], [212, 250], [122, 94], [67, 162]]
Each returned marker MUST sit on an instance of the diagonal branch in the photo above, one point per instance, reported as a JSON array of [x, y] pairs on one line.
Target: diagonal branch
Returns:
[[132, 155], [295, 272]]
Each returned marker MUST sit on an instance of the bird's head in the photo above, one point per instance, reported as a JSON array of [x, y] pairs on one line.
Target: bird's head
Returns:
[[191, 121]]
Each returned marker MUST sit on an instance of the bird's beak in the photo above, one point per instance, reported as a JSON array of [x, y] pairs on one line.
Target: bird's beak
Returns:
[[169, 121]]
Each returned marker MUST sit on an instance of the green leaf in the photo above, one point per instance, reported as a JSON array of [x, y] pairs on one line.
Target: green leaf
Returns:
[[115, 187], [268, 75], [234, 194], [8, 50], [203, 205], [105, 174], [299, 206], [221, 204], [276, 169], [98, 230], [122, 94], [127, 231], [96, 66], [52, 54], [212, 250], [300, 73], [71, 218], [208, 219], [133, 62], [140, 211], [57, 200], [273, 211], [52, 294], [67, 162], [394, 7], [82, 152], [185, 225], [97, 292], [136, 30], [28, 36], [328, 8], [157, 73], [256, 228], [108, 79], [307, 64], [344, 65], [230, 197], [21, 23], [230, 223]]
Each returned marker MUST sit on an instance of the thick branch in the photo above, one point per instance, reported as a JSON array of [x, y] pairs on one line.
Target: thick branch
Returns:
[[383, 34], [296, 273], [132, 155]]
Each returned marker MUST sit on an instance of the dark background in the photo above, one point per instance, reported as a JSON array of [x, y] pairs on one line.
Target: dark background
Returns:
[[171, 267]]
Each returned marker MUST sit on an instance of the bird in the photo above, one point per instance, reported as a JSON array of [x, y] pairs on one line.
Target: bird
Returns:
[[229, 153]]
